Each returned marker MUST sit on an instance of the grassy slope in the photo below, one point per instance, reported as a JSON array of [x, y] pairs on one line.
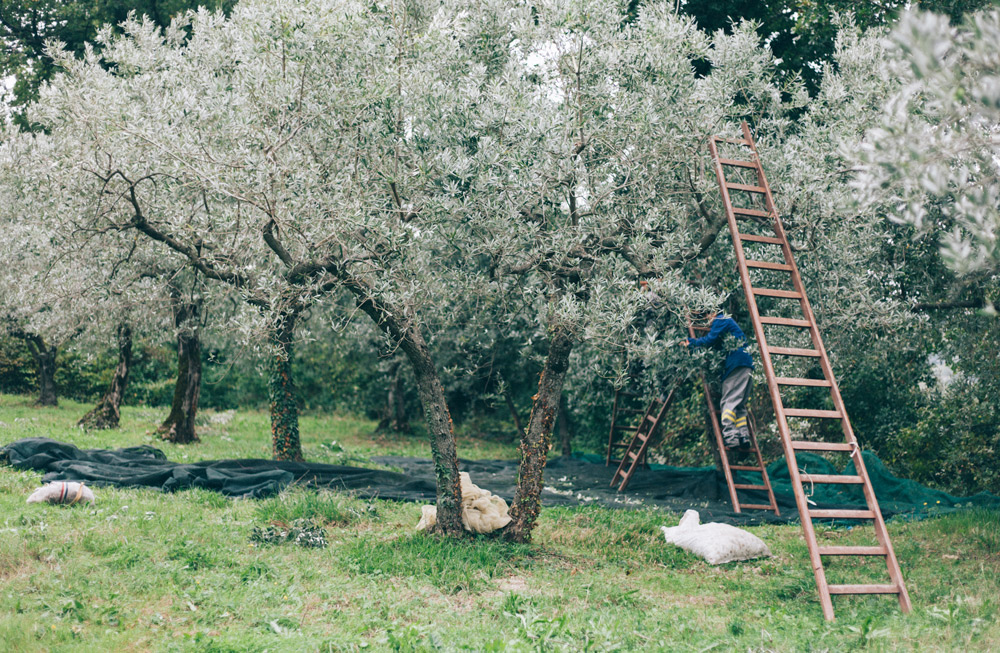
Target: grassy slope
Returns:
[[145, 571]]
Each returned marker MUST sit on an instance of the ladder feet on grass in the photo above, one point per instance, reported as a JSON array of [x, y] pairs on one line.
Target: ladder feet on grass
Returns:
[[747, 161]]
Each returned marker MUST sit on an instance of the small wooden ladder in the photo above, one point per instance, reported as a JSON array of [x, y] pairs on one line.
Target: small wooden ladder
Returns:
[[727, 467], [622, 427], [774, 382], [636, 451]]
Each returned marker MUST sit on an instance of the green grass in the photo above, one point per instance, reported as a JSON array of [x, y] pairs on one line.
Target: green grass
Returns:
[[141, 571]]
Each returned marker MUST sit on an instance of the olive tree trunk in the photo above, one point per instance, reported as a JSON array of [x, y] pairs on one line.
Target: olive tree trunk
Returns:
[[45, 362], [535, 441], [179, 425], [282, 395], [107, 413], [403, 329], [444, 451]]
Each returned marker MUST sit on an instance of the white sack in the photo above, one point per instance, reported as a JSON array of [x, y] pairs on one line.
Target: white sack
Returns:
[[62, 492], [716, 543], [482, 511]]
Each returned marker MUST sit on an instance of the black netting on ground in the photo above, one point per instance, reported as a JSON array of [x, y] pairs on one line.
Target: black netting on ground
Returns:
[[569, 481]]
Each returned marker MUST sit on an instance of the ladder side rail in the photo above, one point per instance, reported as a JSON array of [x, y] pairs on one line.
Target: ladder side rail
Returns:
[[772, 386], [881, 531], [763, 469]]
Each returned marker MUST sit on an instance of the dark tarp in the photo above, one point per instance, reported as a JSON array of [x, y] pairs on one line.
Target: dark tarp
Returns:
[[569, 481]]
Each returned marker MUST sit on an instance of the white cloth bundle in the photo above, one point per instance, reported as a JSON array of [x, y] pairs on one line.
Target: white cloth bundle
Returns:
[[716, 543], [62, 492], [482, 511]]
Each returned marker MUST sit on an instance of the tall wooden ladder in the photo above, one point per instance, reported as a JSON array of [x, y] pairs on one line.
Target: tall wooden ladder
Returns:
[[623, 426], [727, 467], [743, 164], [636, 451]]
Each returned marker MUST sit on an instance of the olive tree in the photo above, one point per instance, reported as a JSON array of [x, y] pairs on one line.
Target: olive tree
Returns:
[[934, 157], [280, 153]]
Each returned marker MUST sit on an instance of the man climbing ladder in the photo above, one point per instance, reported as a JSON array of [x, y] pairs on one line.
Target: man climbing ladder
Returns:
[[736, 379]]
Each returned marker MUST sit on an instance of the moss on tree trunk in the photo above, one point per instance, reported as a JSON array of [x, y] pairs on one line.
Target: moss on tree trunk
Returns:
[[282, 396]]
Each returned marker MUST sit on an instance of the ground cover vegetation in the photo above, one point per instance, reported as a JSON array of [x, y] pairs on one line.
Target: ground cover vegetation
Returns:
[[429, 206], [141, 570]]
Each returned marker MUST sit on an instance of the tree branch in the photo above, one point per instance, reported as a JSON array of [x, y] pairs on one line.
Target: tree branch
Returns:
[[275, 245]]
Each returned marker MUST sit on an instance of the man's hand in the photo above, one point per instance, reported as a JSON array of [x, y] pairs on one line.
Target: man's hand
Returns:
[[684, 343]]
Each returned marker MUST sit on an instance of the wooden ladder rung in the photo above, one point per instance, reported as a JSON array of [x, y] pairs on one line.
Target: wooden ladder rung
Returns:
[[738, 163], [771, 292], [818, 383], [809, 412], [862, 589], [757, 506], [733, 141], [840, 479], [746, 187], [852, 551], [762, 239], [785, 321], [792, 351], [808, 445], [746, 468], [745, 486], [767, 265], [842, 514], [752, 213]]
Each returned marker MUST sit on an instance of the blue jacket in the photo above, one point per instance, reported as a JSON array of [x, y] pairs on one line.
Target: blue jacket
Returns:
[[722, 325]]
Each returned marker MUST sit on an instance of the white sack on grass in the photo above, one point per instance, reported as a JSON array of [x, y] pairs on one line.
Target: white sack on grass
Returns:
[[62, 492], [482, 511], [716, 543]]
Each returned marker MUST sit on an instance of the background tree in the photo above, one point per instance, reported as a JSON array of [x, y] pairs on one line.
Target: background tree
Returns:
[[934, 157], [27, 25]]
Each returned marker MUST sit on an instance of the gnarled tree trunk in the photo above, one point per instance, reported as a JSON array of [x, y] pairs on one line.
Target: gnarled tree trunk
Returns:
[[282, 396], [443, 449], [179, 425], [535, 441], [45, 360], [107, 413], [432, 399]]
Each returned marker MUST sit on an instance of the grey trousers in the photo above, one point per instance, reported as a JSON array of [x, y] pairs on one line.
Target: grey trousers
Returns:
[[733, 406]]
